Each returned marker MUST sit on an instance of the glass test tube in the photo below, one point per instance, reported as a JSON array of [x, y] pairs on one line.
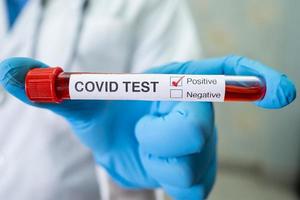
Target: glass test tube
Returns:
[[52, 85]]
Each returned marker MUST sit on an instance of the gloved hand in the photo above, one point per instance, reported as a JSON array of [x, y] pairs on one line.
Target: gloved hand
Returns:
[[154, 144]]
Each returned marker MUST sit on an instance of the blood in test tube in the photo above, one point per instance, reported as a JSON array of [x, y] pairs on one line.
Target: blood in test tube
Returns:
[[51, 85], [240, 88]]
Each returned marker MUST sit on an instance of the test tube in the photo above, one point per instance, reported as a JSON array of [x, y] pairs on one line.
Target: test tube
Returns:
[[53, 85]]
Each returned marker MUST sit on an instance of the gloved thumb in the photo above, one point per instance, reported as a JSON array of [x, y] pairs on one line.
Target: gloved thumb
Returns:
[[12, 75], [81, 115], [280, 91]]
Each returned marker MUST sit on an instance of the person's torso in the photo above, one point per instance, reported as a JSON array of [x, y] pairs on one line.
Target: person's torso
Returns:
[[39, 157]]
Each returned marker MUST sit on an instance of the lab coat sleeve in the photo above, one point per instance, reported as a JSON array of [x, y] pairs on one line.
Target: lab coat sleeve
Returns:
[[165, 32]]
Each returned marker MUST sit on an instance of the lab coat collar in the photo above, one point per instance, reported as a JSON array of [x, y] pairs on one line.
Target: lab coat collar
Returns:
[[66, 42], [20, 39], [20, 36]]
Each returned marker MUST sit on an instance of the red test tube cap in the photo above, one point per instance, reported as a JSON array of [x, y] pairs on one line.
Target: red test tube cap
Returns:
[[40, 84]]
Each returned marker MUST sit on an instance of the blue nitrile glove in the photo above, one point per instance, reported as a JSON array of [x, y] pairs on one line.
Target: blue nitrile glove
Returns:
[[145, 144]]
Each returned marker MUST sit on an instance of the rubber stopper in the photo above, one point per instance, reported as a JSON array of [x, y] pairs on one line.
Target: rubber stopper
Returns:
[[40, 84]]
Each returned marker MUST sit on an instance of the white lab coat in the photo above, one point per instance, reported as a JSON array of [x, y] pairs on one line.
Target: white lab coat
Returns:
[[40, 159]]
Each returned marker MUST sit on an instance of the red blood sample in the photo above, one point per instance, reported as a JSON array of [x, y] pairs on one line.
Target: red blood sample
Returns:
[[51, 85]]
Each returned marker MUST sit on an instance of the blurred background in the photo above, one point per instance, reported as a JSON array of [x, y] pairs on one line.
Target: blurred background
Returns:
[[259, 150]]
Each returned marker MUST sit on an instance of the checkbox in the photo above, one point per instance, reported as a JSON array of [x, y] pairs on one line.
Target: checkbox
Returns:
[[176, 93], [176, 81]]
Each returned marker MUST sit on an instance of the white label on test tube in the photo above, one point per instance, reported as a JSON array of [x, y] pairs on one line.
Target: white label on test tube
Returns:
[[161, 87]]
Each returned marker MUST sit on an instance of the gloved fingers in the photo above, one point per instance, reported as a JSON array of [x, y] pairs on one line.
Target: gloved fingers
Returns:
[[177, 171], [183, 171], [198, 191], [280, 90], [184, 177], [193, 193], [167, 135], [209, 178], [12, 75], [279, 93]]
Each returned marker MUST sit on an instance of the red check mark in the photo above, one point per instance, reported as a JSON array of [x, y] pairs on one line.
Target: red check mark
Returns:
[[176, 83]]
